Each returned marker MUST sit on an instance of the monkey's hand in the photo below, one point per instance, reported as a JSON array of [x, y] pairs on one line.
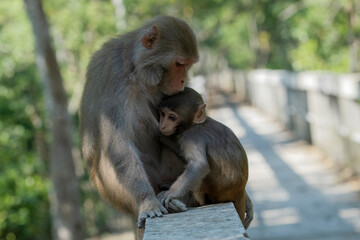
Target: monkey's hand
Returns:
[[150, 208], [170, 199]]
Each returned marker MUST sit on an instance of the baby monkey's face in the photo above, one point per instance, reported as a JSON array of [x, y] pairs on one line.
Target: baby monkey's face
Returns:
[[169, 120]]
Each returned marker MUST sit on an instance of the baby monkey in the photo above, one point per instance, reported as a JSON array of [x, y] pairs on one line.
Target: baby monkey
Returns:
[[217, 165]]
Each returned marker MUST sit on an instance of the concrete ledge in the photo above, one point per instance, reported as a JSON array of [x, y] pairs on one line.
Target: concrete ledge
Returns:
[[218, 221]]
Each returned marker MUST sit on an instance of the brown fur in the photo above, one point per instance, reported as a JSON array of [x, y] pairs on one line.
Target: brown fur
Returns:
[[118, 116], [217, 165]]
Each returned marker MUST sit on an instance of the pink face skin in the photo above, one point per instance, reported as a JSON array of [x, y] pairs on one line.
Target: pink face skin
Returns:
[[169, 120], [175, 79]]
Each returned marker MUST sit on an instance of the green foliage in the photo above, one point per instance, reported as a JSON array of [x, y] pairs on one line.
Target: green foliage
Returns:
[[24, 205], [24, 208], [322, 41]]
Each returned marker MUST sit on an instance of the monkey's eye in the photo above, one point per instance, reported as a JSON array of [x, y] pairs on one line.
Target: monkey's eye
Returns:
[[172, 117], [162, 113], [179, 64]]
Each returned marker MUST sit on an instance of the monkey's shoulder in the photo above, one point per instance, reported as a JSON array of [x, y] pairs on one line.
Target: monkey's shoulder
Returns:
[[210, 129], [215, 135], [114, 60]]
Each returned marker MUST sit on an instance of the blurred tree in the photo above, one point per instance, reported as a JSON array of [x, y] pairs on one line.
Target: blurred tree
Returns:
[[65, 202], [352, 8], [319, 33], [119, 15]]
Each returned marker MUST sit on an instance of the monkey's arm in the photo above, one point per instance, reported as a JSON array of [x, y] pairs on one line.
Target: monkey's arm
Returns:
[[132, 176], [194, 173]]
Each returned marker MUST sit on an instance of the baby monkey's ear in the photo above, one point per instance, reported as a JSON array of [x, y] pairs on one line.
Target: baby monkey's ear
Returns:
[[200, 115]]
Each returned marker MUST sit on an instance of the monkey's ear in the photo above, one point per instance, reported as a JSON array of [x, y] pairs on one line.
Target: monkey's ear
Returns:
[[200, 115], [150, 37]]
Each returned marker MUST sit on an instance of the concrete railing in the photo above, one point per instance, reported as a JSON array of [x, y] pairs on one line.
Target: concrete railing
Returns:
[[215, 222], [320, 107]]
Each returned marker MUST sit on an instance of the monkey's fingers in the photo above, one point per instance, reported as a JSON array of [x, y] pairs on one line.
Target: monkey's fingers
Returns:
[[152, 214], [173, 205], [166, 202], [162, 201], [180, 206], [161, 196], [142, 219], [176, 206], [163, 210]]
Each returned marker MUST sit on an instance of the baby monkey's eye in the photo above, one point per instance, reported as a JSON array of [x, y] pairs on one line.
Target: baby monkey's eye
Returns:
[[172, 117], [162, 113]]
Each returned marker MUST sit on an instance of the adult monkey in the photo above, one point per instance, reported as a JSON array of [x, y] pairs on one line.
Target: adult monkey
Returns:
[[125, 81]]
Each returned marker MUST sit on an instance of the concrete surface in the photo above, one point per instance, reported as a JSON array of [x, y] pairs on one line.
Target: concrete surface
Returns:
[[211, 222], [298, 193]]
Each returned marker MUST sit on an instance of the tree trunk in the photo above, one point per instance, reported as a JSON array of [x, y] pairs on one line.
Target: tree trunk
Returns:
[[354, 41], [120, 12], [65, 198]]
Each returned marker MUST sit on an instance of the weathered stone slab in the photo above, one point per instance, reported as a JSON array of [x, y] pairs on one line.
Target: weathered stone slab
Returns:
[[218, 221]]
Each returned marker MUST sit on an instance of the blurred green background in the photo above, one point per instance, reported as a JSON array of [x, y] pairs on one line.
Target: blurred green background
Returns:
[[243, 34]]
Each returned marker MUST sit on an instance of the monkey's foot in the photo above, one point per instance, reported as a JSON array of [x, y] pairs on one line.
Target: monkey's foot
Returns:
[[152, 209]]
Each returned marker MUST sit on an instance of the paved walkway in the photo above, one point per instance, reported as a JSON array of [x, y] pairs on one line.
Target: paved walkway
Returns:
[[296, 190]]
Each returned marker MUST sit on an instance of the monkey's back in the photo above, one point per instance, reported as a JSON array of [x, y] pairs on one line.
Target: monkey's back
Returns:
[[225, 154]]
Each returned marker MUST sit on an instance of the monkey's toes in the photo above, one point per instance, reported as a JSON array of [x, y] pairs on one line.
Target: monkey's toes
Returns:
[[150, 214], [141, 220]]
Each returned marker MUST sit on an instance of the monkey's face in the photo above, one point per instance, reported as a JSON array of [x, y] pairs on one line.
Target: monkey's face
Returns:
[[176, 75], [169, 120]]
